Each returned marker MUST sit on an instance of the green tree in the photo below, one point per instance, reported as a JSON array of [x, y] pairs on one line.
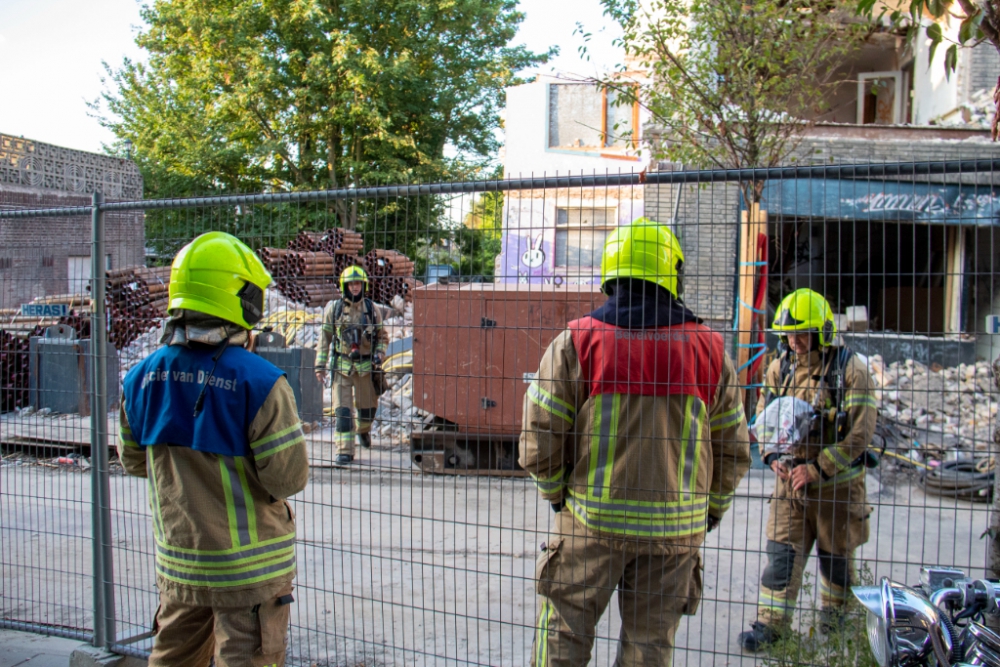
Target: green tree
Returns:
[[279, 95], [733, 82]]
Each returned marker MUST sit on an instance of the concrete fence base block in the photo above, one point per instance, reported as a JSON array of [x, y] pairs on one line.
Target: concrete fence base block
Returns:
[[91, 656]]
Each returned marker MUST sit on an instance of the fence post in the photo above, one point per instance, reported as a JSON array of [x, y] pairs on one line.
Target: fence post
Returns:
[[100, 488]]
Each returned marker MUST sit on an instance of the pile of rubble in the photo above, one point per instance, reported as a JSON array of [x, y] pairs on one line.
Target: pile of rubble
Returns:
[[397, 417], [960, 403], [977, 112]]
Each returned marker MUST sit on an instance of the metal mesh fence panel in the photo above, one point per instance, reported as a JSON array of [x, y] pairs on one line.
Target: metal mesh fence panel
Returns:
[[434, 545]]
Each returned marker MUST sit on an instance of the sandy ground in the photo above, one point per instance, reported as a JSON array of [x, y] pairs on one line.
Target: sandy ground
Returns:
[[396, 567]]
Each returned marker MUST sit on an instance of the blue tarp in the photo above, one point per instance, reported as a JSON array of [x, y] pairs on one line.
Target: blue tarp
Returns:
[[886, 201]]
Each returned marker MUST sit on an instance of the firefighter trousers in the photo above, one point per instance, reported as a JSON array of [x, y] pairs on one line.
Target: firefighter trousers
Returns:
[[190, 636], [352, 391], [834, 519], [577, 573]]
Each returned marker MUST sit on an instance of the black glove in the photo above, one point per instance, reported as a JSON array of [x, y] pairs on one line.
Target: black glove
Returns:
[[558, 506], [713, 523], [354, 355]]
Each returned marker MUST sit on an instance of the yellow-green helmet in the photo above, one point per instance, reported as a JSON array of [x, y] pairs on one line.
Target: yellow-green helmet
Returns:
[[353, 274], [805, 311], [217, 274], [645, 250]]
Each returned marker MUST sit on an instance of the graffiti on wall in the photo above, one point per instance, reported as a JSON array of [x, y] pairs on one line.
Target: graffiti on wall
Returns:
[[526, 259]]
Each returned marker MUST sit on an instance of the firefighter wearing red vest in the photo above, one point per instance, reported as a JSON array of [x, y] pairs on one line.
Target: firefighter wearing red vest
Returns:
[[634, 431], [819, 493]]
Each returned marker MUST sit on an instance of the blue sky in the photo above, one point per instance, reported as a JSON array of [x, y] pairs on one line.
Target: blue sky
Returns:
[[52, 50]]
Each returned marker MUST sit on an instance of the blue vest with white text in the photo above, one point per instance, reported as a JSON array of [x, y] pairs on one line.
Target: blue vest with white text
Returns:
[[160, 395]]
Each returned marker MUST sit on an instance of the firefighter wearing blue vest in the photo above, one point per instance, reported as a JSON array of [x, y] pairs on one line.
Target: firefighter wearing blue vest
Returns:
[[819, 494], [634, 431], [352, 329], [216, 431]]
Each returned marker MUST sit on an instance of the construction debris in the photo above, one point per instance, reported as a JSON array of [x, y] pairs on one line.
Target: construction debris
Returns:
[[958, 405]]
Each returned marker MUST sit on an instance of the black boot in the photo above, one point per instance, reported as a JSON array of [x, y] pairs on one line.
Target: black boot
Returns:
[[343, 459], [759, 637], [365, 439]]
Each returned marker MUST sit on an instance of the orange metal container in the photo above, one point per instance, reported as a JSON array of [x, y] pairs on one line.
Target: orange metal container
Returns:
[[476, 347]]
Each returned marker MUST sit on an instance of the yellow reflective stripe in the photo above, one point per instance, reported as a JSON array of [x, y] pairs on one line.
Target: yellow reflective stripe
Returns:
[[727, 419], [248, 503], [343, 436], [269, 572], [227, 492], [854, 400], [277, 442], [154, 494], [689, 523], [687, 467], [550, 484], [551, 403], [542, 637], [825, 588], [327, 328], [274, 436], [602, 445], [836, 456], [846, 476], [720, 502], [125, 435], [204, 553], [233, 565], [776, 602], [645, 509]]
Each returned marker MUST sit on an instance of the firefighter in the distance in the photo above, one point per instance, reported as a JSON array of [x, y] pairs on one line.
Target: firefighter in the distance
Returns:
[[352, 326], [819, 494], [216, 431], [634, 431]]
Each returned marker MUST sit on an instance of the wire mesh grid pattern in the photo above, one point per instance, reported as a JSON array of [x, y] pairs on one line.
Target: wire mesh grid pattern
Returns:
[[427, 547]]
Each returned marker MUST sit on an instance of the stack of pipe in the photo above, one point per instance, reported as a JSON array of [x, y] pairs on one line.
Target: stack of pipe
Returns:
[[390, 275], [338, 241], [305, 241], [308, 270], [136, 301], [14, 370]]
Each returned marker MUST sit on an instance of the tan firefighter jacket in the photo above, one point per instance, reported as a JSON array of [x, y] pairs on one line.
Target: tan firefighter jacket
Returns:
[[225, 535], [334, 337], [838, 461], [641, 431]]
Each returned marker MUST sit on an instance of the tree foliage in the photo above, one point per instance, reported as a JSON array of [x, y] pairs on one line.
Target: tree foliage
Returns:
[[978, 22], [277, 95], [732, 80]]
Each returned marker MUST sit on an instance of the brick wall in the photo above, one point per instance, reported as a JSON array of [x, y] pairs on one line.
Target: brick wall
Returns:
[[708, 218], [34, 253], [984, 67]]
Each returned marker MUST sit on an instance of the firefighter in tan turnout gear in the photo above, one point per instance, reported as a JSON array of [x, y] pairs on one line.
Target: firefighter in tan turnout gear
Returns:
[[352, 327], [819, 494], [634, 431], [216, 431]]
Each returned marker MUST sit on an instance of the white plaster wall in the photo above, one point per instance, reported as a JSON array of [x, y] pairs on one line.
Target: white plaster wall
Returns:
[[525, 147], [933, 93]]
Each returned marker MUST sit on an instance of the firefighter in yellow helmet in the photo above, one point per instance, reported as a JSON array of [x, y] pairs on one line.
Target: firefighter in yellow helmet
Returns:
[[634, 431], [352, 327], [819, 494], [216, 431]]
